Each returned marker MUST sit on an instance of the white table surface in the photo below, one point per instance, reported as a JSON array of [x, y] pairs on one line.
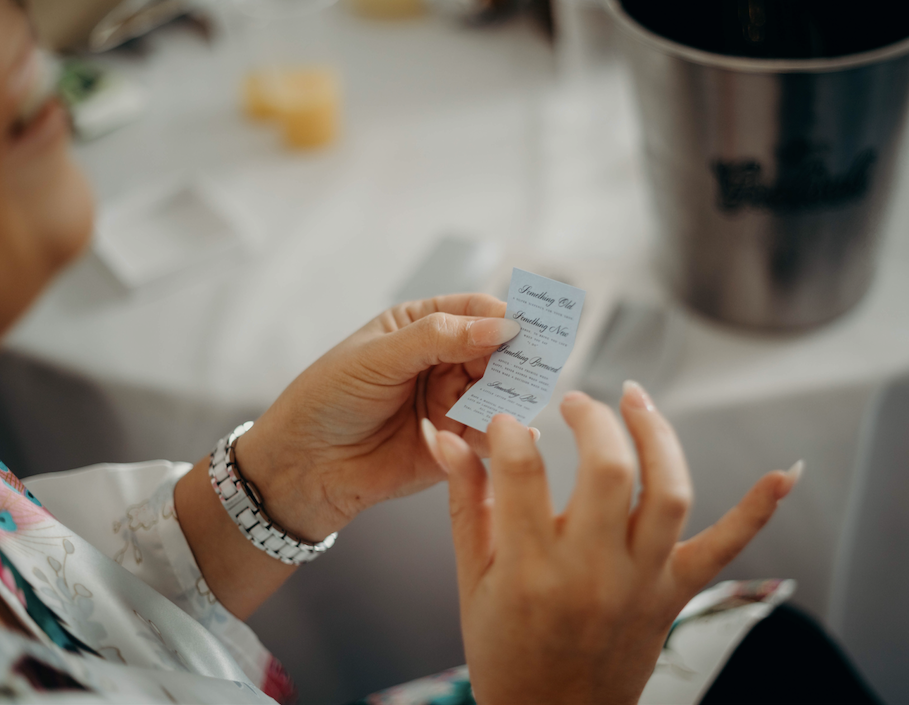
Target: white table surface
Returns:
[[446, 131], [475, 133]]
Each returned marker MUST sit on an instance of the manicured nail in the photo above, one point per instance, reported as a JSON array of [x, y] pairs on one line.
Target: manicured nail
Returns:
[[636, 396], [535, 432], [450, 446], [430, 435], [795, 472], [492, 331]]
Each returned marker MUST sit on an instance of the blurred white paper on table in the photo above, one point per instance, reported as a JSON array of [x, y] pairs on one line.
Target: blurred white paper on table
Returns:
[[168, 228]]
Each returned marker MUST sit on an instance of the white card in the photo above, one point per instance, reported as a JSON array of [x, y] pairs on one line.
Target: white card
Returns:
[[522, 373]]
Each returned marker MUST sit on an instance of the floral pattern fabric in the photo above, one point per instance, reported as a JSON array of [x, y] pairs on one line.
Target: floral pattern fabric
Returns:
[[112, 601]]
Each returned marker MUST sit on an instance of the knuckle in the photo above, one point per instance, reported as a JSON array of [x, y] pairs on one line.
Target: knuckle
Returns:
[[436, 321], [391, 319], [675, 502], [458, 511], [613, 473], [519, 461], [407, 311], [438, 325]]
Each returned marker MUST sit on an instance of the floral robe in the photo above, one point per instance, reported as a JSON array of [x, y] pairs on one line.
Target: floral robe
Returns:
[[114, 604]]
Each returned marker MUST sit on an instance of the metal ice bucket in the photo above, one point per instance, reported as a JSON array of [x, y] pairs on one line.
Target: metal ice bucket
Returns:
[[769, 177]]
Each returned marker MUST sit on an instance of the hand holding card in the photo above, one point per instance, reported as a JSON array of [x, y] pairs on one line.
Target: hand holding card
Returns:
[[522, 373]]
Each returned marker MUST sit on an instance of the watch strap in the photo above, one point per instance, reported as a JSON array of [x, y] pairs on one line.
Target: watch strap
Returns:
[[243, 503]]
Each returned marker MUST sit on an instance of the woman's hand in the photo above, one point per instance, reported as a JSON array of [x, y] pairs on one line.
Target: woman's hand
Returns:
[[346, 433], [344, 436], [575, 608]]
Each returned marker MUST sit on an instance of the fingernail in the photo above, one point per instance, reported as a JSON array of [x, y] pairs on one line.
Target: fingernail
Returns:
[[636, 396], [795, 472], [492, 331], [535, 432], [430, 435], [449, 445]]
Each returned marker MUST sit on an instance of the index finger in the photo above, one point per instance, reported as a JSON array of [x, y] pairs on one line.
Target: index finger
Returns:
[[476, 305], [523, 508]]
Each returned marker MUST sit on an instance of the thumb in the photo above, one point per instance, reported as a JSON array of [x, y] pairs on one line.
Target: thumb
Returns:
[[470, 505], [444, 337]]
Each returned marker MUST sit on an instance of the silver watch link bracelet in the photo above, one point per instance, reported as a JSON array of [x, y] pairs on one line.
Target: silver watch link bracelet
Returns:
[[243, 503]]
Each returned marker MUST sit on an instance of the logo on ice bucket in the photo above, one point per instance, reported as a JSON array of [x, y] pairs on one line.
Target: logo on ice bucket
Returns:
[[803, 180]]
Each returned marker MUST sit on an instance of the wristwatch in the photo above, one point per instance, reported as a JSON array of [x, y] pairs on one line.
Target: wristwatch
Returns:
[[243, 502]]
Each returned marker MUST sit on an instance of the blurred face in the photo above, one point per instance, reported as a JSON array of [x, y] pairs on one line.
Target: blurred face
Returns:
[[45, 202]]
